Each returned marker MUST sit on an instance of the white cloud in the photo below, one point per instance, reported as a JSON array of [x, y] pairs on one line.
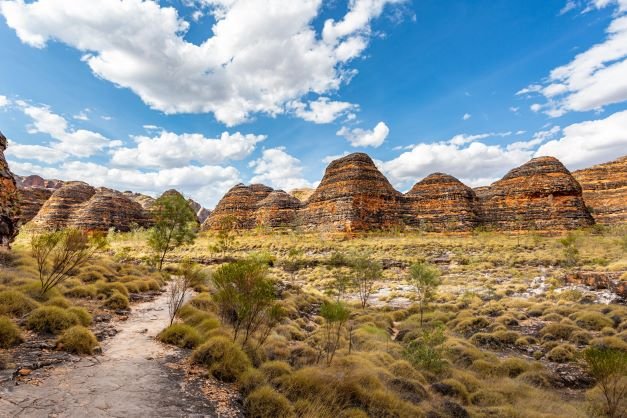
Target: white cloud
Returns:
[[595, 78], [365, 138], [514, 109], [82, 115], [262, 55], [321, 110], [466, 116], [570, 5], [4, 101], [35, 152], [329, 158], [278, 169], [206, 184], [170, 150], [590, 142]]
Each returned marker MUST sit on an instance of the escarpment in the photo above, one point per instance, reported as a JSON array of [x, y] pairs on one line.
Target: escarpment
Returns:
[[442, 203], [605, 191], [539, 195], [353, 195], [9, 200]]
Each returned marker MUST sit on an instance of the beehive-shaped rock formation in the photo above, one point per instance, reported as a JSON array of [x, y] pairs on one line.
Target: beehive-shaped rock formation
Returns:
[[442, 203], [9, 200], [353, 195], [58, 211], [541, 195], [240, 205], [31, 201], [605, 191], [278, 209]]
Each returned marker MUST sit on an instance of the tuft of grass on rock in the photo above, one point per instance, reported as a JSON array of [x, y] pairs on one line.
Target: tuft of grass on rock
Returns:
[[78, 340], [15, 304], [225, 359], [266, 402], [117, 301], [180, 335], [10, 334], [50, 319]]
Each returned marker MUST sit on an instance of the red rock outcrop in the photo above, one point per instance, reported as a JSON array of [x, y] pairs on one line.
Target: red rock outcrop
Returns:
[[79, 205], [442, 203], [24, 182], [31, 201], [239, 203], [302, 194], [540, 195], [278, 209], [353, 195], [145, 202], [605, 191], [9, 200]]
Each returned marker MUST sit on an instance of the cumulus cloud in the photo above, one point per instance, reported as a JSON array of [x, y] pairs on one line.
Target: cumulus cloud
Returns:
[[590, 142], [170, 150], [595, 78], [35, 152], [322, 110], [262, 54], [466, 116], [278, 169], [365, 138], [4, 101]]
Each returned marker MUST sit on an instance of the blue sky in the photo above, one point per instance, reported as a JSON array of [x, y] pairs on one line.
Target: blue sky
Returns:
[[202, 94]]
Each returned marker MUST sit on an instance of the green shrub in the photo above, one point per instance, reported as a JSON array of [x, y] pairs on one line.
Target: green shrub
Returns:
[[225, 359], [50, 319], [117, 301], [557, 331], [10, 334], [513, 366], [203, 302], [15, 304], [609, 342], [487, 398], [275, 369], [108, 289], [84, 318], [580, 337], [82, 292], [266, 402], [250, 380], [59, 301], [208, 325], [563, 353], [536, 378], [470, 326], [593, 321], [180, 335], [78, 340]]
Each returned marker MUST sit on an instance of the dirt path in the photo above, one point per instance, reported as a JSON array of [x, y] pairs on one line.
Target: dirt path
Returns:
[[130, 379]]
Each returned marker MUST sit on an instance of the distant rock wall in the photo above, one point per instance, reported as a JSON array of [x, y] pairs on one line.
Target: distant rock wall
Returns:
[[605, 191], [9, 200]]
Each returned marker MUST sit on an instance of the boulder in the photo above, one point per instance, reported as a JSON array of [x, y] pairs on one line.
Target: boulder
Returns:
[[353, 195], [9, 200], [442, 203], [605, 191], [539, 195]]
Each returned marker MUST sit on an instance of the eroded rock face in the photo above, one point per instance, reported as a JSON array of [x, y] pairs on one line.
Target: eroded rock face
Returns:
[[353, 195], [605, 191], [278, 209], [539, 195], [442, 203], [239, 203], [145, 202], [24, 182], [302, 194], [79, 205], [9, 200], [31, 201]]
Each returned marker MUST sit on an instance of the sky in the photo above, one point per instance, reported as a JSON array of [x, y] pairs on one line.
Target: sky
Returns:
[[200, 95]]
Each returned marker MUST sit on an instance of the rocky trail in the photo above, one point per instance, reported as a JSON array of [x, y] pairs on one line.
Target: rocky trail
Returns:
[[136, 376]]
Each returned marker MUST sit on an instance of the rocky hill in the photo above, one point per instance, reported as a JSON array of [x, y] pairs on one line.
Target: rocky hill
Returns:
[[353, 195], [605, 191], [9, 207], [440, 202], [238, 205], [539, 195], [79, 205]]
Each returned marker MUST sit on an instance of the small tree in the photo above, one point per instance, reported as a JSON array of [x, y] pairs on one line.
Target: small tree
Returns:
[[245, 296], [569, 246], [426, 351], [175, 225], [227, 227], [335, 315], [426, 279], [188, 275], [609, 368], [366, 273], [60, 253]]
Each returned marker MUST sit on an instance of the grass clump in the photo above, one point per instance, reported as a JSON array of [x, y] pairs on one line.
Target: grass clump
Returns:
[[266, 402], [59, 301], [83, 317], [82, 292], [117, 301], [485, 397], [50, 319], [15, 304], [78, 340], [593, 321], [225, 359], [180, 335], [250, 380], [563, 353], [10, 334]]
